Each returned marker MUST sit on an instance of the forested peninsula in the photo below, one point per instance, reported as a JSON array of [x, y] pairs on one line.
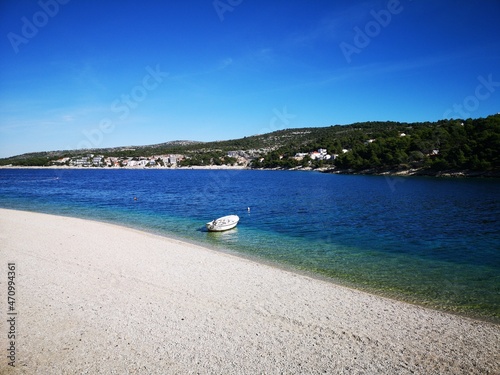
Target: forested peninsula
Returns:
[[468, 147]]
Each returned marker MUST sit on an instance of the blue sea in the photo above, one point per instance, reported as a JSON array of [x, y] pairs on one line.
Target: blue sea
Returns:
[[429, 241]]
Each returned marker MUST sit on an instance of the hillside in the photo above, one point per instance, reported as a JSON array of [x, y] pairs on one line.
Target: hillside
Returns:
[[470, 145]]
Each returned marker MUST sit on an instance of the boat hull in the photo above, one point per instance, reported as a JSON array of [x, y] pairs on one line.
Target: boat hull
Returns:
[[223, 223]]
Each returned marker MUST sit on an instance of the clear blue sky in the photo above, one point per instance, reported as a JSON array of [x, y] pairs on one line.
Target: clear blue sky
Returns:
[[77, 73]]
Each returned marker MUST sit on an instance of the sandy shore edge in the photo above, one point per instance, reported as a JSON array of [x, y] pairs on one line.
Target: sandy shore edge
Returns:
[[95, 298]]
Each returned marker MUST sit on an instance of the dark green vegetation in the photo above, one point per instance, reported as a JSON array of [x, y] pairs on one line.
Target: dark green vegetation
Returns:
[[375, 147], [369, 147]]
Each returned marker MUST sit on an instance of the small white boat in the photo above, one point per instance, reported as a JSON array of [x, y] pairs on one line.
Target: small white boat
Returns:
[[223, 223]]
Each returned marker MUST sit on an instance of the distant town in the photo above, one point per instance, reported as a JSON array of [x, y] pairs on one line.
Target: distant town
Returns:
[[239, 158]]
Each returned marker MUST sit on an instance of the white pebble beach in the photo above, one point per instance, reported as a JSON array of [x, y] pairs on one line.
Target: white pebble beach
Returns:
[[96, 298]]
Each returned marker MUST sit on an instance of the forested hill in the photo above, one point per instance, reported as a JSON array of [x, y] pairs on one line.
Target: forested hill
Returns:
[[368, 147], [377, 147]]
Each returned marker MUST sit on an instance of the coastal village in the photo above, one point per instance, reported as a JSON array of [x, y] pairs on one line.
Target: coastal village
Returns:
[[237, 158], [101, 161]]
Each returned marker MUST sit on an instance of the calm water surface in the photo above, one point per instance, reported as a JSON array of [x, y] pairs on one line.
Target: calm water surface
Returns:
[[430, 241]]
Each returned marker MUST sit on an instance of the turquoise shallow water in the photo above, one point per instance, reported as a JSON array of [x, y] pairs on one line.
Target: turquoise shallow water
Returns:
[[430, 241]]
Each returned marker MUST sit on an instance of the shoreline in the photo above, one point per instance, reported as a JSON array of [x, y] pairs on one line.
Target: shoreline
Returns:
[[160, 305], [292, 268], [419, 173], [369, 172], [211, 167]]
